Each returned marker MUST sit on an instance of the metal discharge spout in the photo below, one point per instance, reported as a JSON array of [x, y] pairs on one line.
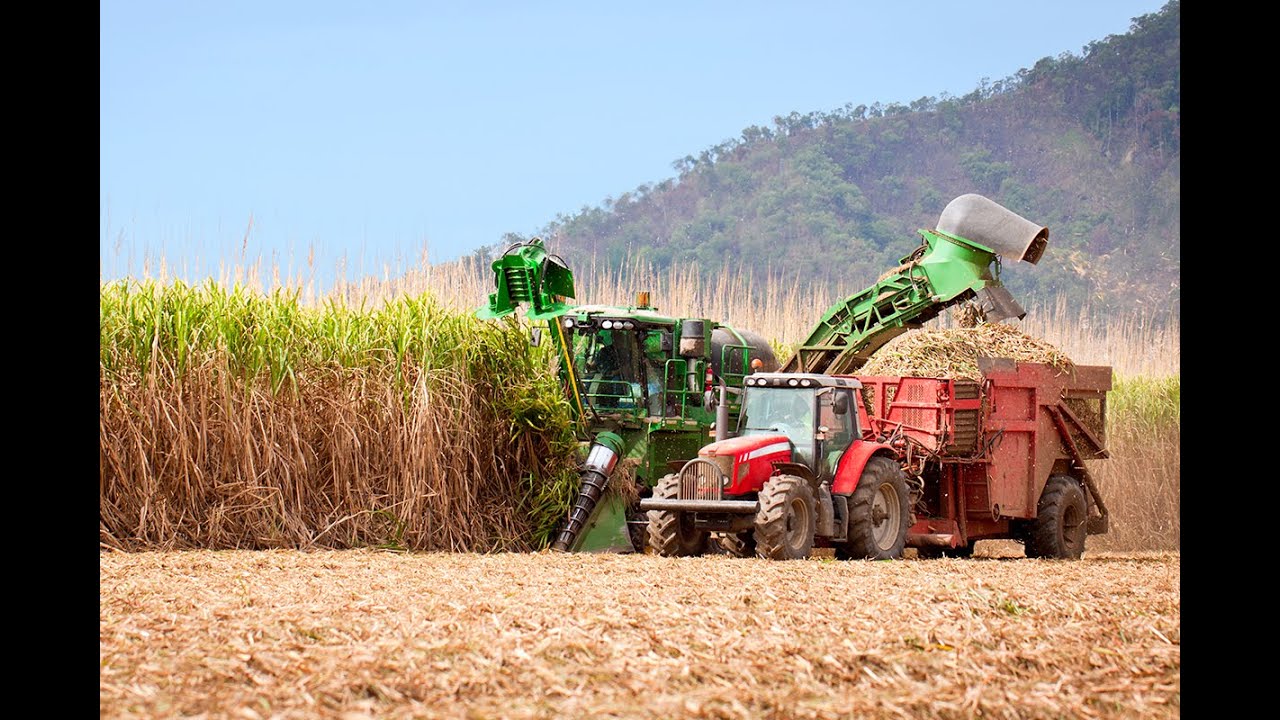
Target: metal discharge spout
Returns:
[[974, 217]]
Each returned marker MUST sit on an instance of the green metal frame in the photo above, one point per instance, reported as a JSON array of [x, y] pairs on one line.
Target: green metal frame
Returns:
[[945, 270]]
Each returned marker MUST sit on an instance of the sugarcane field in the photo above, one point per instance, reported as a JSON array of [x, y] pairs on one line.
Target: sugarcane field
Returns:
[[872, 412], [340, 535]]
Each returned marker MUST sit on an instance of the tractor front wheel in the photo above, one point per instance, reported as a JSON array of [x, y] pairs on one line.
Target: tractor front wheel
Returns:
[[786, 520], [1059, 528], [671, 533], [739, 544], [879, 513]]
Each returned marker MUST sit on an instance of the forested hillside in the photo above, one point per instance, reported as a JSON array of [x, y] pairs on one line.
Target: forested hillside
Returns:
[[1086, 144]]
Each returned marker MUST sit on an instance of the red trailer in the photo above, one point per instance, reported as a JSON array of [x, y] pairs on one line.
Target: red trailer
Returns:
[[1002, 457]]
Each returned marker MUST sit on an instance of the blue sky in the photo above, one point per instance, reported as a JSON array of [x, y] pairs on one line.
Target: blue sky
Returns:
[[373, 131]]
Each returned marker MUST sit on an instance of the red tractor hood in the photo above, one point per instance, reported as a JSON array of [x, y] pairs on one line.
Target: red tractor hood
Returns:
[[752, 459], [740, 446]]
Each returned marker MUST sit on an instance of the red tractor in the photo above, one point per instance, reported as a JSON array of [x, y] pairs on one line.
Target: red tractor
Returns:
[[798, 471], [872, 465]]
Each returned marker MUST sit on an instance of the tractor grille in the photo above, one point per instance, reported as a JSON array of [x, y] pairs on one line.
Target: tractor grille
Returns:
[[700, 480]]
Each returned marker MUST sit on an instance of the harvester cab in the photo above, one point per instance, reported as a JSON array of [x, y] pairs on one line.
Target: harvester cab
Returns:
[[638, 381]]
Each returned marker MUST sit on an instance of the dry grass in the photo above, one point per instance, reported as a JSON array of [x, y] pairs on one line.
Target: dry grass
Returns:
[[1141, 482], [216, 462], [362, 634], [342, 462], [784, 308]]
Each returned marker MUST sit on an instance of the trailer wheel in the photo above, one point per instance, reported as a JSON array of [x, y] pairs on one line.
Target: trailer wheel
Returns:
[[671, 533], [879, 513], [739, 544], [786, 521], [1059, 528]]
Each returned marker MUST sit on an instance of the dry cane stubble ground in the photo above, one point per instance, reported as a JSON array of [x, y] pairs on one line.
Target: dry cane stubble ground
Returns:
[[361, 634]]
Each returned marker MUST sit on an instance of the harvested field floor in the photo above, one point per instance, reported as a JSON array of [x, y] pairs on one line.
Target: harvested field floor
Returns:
[[366, 634]]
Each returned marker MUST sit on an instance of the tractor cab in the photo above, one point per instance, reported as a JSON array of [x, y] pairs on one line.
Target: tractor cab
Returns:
[[814, 412]]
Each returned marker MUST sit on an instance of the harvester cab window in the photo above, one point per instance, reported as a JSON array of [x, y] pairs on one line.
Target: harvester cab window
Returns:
[[654, 362], [612, 368], [835, 431], [605, 362]]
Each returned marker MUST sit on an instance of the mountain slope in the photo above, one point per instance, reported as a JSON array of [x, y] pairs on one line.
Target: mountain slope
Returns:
[[1087, 145]]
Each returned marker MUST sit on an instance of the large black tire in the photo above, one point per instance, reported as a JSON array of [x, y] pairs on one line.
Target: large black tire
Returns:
[[1059, 530], [879, 513], [786, 520], [739, 544], [671, 534], [639, 537]]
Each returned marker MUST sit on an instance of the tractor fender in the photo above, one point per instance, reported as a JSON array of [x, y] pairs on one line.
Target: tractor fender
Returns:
[[854, 460]]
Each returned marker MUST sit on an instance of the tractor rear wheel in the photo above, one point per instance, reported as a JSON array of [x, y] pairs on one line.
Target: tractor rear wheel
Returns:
[[879, 513], [1058, 531], [739, 544], [671, 532], [786, 520]]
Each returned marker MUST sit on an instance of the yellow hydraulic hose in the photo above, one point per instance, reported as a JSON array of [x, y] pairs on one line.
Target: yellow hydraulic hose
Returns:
[[568, 359]]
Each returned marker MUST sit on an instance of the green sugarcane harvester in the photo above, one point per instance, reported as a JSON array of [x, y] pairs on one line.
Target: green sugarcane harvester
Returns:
[[637, 381], [648, 388]]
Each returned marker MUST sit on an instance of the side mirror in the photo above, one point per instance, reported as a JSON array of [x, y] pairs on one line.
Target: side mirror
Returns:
[[535, 336], [841, 405]]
